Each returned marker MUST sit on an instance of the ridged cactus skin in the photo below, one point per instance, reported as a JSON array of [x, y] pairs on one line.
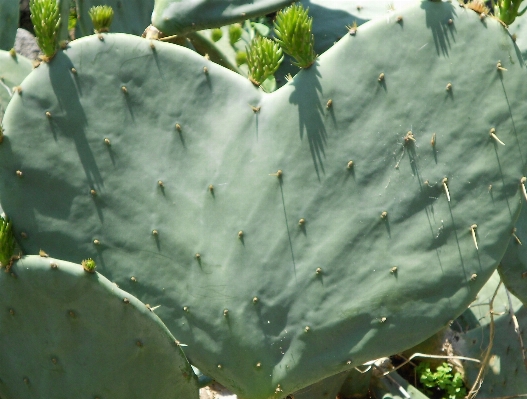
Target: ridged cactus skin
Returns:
[[513, 266], [9, 14], [506, 375], [179, 17], [65, 333], [130, 16], [13, 70], [276, 280]]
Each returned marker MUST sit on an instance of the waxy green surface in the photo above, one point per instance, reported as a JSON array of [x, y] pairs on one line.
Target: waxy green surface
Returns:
[[215, 142], [66, 333]]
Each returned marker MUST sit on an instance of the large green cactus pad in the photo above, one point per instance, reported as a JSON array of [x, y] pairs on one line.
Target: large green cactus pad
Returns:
[[160, 155], [178, 17], [66, 333]]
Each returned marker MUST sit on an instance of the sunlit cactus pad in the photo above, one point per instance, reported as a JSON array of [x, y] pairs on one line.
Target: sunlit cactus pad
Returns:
[[287, 236], [65, 333]]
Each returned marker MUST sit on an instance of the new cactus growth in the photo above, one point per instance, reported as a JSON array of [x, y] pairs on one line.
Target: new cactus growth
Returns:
[[89, 265], [263, 58], [241, 58], [293, 33], [7, 242], [216, 34], [235, 33], [45, 16], [101, 17]]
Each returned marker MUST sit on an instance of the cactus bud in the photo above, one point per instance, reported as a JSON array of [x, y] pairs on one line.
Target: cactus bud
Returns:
[[101, 17], [216, 34], [235, 33], [89, 265], [293, 32], [45, 17], [263, 58], [7, 242]]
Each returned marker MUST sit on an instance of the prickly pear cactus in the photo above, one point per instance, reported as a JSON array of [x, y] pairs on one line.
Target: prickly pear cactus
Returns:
[[288, 236], [179, 17], [9, 14], [83, 337]]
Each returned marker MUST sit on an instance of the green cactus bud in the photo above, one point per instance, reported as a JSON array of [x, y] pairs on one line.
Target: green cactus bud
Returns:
[[216, 34], [89, 265], [241, 58], [7, 242], [101, 17], [263, 58], [235, 33], [45, 17], [293, 32]]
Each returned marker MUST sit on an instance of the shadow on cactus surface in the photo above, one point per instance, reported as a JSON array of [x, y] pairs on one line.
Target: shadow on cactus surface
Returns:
[[287, 236]]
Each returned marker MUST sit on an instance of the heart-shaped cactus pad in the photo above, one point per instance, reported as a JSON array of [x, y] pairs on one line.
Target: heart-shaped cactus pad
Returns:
[[287, 236]]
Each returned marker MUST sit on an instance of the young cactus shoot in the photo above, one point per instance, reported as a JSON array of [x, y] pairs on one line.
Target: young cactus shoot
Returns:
[[293, 32], [89, 265], [263, 58], [7, 242], [45, 17], [235, 33], [101, 17]]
